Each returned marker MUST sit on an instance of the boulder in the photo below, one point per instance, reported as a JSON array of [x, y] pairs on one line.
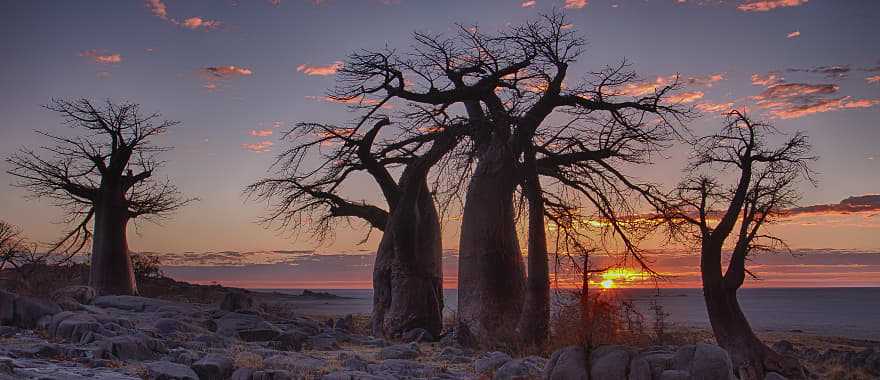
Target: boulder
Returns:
[[232, 324], [24, 312], [138, 304], [271, 374], [567, 363], [130, 347], [323, 342], [639, 369], [237, 301], [295, 362], [674, 374], [490, 361], [402, 369], [242, 374], [453, 355], [214, 367], [400, 351], [418, 335], [74, 327], [704, 361], [774, 376], [609, 363], [351, 375], [352, 361], [164, 370], [81, 294], [521, 369], [345, 323]]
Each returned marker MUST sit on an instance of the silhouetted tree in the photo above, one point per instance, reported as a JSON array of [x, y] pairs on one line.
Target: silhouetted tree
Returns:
[[510, 87], [11, 245], [703, 207], [407, 275], [104, 173]]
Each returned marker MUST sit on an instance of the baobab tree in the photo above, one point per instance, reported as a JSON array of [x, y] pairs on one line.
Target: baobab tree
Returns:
[[719, 218], [102, 175], [408, 271], [511, 89]]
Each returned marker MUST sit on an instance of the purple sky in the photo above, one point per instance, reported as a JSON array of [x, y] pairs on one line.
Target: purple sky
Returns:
[[236, 73]]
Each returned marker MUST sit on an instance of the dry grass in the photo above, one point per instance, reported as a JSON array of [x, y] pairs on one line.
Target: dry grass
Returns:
[[244, 358]]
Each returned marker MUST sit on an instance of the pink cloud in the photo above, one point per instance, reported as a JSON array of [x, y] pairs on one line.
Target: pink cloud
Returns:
[[528, 3], [685, 97], [822, 105], [260, 147], [769, 79], [157, 7], [101, 58], [575, 4], [714, 107], [768, 5], [353, 102], [791, 90], [224, 72], [794, 34], [194, 23], [260, 132], [873, 79], [319, 70]]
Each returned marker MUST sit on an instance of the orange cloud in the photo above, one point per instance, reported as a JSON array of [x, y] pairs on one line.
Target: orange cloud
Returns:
[[686, 97], [575, 4], [769, 79], [260, 132], [649, 87], [319, 70], [260, 147], [796, 33], [101, 58], [768, 5], [528, 3], [873, 79], [194, 23]]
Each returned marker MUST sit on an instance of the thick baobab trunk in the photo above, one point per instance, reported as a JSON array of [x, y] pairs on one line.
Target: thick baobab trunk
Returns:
[[535, 319], [408, 273], [111, 270], [490, 269], [751, 357]]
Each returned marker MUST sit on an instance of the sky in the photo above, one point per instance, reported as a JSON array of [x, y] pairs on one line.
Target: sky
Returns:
[[238, 73]]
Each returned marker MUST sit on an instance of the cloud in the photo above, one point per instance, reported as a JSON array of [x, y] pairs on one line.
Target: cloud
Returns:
[[649, 87], [854, 204], [158, 8], [528, 3], [768, 5], [575, 4], [873, 79], [823, 105], [275, 3], [101, 58], [194, 23], [353, 102], [260, 147], [319, 70], [714, 107], [685, 97], [794, 90], [768, 79], [795, 34], [835, 71], [226, 72], [260, 132]]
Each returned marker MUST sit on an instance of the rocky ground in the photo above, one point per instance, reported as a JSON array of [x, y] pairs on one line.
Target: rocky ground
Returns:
[[80, 336]]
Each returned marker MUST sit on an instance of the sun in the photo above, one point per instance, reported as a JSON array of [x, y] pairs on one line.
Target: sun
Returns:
[[607, 284]]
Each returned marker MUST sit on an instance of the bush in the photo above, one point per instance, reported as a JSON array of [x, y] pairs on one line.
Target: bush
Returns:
[[600, 318]]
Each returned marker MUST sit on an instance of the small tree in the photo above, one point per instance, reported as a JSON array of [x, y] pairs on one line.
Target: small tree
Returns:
[[765, 185], [11, 245], [105, 174]]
